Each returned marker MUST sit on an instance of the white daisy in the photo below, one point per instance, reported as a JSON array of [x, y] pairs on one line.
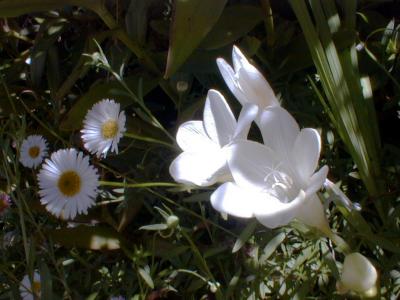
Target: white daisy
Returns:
[[103, 127], [68, 184], [33, 150], [28, 289]]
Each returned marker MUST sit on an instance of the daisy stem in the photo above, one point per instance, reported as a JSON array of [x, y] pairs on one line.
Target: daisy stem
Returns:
[[148, 139], [138, 185]]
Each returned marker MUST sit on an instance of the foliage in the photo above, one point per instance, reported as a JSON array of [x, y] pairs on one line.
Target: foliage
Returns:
[[335, 66]]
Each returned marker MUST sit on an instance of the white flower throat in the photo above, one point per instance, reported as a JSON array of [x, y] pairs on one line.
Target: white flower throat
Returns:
[[280, 185]]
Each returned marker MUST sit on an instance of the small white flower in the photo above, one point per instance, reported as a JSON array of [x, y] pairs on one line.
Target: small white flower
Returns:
[[33, 150], [28, 289], [203, 161], [275, 182], [68, 184], [358, 275], [246, 82], [104, 125]]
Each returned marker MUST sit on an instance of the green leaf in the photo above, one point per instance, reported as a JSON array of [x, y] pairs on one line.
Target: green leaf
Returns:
[[146, 277], [47, 282], [244, 236], [235, 22], [271, 247], [191, 21], [111, 90], [89, 237]]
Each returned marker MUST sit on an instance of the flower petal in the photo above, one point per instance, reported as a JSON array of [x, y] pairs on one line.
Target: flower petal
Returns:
[[317, 180], [202, 169], [305, 152], [219, 121], [279, 213], [231, 81], [250, 162], [247, 116], [311, 213], [279, 131], [192, 137]]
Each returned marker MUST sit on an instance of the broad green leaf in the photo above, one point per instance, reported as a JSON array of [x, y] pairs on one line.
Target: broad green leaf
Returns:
[[235, 22], [191, 21], [89, 237], [244, 236], [110, 90]]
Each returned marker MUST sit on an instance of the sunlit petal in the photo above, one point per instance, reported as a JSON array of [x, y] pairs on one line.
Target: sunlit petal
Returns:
[[192, 137]]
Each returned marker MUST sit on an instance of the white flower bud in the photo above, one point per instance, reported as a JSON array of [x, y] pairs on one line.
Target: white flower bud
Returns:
[[358, 275]]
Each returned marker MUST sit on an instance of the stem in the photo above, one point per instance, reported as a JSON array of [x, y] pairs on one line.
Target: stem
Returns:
[[138, 185], [340, 243], [148, 139]]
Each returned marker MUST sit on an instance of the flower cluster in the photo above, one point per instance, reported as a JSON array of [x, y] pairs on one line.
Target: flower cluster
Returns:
[[274, 182], [68, 183]]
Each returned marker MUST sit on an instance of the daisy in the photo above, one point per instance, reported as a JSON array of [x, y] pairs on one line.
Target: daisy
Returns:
[[33, 150], [28, 289], [68, 184], [104, 125]]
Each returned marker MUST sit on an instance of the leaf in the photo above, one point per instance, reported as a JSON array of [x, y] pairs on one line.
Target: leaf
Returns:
[[146, 277], [89, 237], [272, 245], [154, 227], [191, 21], [235, 22], [46, 282], [111, 90], [244, 236]]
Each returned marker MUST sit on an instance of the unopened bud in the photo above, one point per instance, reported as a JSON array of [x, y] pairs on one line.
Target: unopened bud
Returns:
[[172, 221], [358, 275]]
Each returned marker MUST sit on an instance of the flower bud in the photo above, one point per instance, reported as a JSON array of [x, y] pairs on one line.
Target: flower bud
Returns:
[[358, 275], [172, 221]]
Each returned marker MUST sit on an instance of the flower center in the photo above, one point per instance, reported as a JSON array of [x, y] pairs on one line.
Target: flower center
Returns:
[[69, 183], [34, 151], [36, 288], [280, 185], [109, 129]]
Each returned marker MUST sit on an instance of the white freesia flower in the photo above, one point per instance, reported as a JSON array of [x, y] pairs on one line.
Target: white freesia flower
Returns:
[[275, 182], [358, 275], [33, 150], [68, 184], [203, 161], [103, 127], [246, 82], [28, 289]]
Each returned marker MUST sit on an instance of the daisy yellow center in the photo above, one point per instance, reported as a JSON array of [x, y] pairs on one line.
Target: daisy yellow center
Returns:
[[109, 129], [36, 287], [69, 183], [34, 151]]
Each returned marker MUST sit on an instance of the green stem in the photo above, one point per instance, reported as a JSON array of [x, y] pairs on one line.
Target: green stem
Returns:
[[138, 185], [340, 243], [148, 139]]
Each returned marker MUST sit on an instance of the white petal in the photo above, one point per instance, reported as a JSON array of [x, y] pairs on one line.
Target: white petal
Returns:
[[247, 116], [278, 213], [279, 130], [201, 169], [306, 152], [192, 137], [219, 121], [233, 200], [317, 180], [231, 81], [311, 213], [250, 162]]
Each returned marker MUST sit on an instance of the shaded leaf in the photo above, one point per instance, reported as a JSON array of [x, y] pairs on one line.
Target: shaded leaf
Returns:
[[191, 21], [89, 237], [271, 247], [235, 22], [244, 236], [146, 277]]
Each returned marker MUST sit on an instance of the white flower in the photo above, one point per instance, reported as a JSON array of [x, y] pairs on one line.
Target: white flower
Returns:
[[28, 289], [246, 82], [68, 184], [275, 182], [203, 161], [104, 125], [358, 275], [33, 150]]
